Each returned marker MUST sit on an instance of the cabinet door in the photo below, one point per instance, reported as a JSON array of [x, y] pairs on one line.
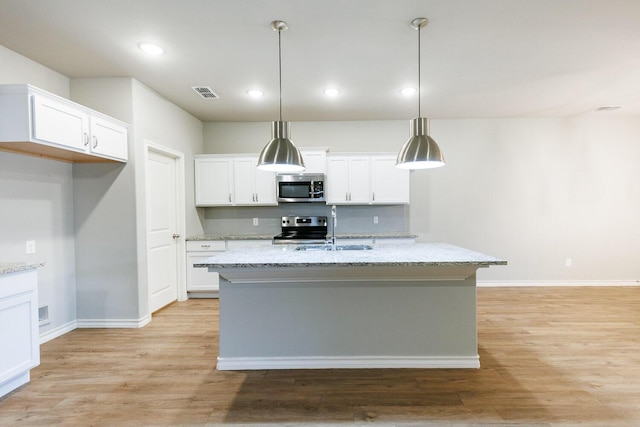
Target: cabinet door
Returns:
[[19, 337], [214, 181], [388, 183], [253, 186], [244, 180], [108, 139], [198, 278], [60, 124], [359, 181], [337, 180], [265, 186], [314, 161]]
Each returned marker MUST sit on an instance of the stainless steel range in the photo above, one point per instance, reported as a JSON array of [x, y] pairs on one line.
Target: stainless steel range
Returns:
[[302, 230]]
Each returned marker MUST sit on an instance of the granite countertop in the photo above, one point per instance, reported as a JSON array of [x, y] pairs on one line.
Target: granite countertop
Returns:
[[419, 254], [16, 267], [390, 235], [230, 237]]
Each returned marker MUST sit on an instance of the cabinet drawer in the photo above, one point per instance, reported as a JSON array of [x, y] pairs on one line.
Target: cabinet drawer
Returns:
[[206, 245]]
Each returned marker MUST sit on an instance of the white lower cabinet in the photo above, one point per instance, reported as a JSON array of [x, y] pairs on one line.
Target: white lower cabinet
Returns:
[[19, 335], [200, 279]]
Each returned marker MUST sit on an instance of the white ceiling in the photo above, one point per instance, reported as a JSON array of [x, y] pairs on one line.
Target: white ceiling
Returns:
[[480, 58]]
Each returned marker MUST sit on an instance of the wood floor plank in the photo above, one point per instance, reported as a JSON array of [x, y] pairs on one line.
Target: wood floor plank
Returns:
[[549, 357]]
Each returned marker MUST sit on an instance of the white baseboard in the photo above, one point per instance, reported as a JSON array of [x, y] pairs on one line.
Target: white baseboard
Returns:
[[59, 331], [15, 382], [540, 283], [252, 363], [113, 323]]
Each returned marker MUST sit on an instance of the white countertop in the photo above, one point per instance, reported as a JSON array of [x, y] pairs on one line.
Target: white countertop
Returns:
[[419, 254]]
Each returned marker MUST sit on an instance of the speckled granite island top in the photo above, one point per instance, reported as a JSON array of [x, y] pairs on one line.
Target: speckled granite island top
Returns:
[[390, 235], [16, 267], [419, 254]]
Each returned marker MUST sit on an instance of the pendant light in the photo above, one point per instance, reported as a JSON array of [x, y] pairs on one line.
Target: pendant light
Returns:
[[420, 151], [280, 155]]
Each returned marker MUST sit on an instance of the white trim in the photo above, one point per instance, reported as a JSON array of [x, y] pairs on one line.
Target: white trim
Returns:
[[15, 382], [361, 362], [113, 323], [541, 283], [59, 331]]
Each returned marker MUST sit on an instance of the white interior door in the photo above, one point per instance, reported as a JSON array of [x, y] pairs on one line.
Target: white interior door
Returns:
[[162, 226]]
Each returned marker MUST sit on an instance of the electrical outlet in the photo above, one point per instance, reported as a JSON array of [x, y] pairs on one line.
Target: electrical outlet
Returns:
[[375, 219], [568, 262], [30, 247], [255, 221]]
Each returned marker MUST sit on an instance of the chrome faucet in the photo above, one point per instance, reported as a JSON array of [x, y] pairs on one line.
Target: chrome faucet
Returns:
[[334, 221]]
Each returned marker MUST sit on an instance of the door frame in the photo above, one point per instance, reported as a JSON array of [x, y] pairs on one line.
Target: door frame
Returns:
[[181, 259]]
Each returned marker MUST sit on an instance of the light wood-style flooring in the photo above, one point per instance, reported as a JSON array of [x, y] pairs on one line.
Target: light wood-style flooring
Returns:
[[550, 357]]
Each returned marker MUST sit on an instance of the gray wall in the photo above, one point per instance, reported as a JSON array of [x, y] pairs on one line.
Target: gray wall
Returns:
[[36, 203], [86, 218], [532, 191], [111, 200]]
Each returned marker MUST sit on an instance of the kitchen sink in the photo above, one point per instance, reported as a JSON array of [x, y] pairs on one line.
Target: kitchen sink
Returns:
[[338, 248]]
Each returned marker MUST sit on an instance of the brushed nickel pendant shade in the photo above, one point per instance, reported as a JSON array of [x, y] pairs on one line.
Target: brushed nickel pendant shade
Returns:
[[420, 151], [280, 154]]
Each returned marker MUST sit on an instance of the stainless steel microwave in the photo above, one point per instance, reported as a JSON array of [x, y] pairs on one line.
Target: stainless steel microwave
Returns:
[[300, 188]]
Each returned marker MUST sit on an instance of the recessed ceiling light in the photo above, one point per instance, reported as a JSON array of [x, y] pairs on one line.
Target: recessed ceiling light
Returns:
[[407, 91], [151, 49], [255, 93], [332, 91]]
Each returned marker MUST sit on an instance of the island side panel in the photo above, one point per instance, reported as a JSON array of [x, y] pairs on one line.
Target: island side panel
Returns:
[[348, 324]]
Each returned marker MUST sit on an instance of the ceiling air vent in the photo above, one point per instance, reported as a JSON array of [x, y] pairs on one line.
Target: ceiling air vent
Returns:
[[205, 92]]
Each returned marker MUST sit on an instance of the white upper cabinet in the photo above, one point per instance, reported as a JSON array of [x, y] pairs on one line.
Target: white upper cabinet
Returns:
[[108, 139], [359, 179], [389, 184], [229, 180], [214, 181], [315, 160], [253, 186], [348, 180], [36, 122], [59, 123]]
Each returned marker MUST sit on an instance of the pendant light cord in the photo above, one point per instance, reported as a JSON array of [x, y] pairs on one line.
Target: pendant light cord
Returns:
[[419, 92], [280, 69]]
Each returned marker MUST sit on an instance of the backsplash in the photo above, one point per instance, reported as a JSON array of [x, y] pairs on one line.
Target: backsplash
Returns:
[[235, 220]]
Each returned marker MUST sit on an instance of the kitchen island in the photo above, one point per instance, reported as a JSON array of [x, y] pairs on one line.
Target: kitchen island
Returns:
[[397, 306]]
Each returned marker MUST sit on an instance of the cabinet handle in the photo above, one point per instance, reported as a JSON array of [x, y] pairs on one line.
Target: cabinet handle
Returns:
[[86, 139], [176, 236], [373, 197], [95, 141], [205, 246], [257, 197], [346, 196], [229, 197]]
